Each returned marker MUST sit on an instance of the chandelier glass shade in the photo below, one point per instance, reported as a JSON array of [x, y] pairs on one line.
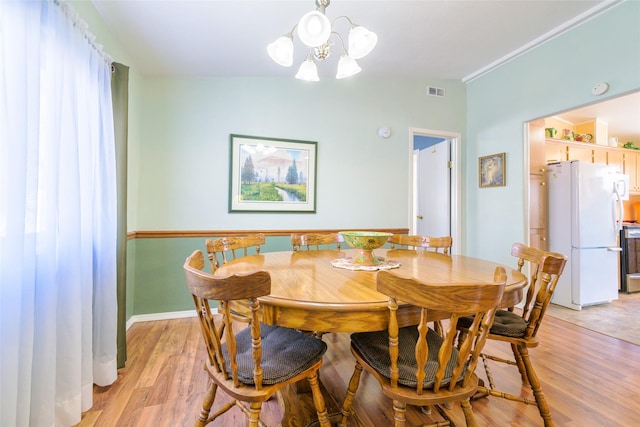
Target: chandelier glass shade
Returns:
[[361, 41], [347, 66], [315, 31], [281, 50], [308, 70]]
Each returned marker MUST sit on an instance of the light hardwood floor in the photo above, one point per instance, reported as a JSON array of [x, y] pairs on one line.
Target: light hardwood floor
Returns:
[[589, 379]]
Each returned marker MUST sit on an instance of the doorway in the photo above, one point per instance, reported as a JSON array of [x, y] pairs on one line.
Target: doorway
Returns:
[[434, 205]]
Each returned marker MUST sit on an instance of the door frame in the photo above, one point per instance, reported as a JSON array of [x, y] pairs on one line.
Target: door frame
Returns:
[[456, 180]]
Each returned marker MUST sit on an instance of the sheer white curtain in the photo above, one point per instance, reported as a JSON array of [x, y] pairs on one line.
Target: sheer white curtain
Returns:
[[57, 216]]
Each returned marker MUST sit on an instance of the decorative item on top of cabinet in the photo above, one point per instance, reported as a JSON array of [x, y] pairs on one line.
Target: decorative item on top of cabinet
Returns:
[[598, 128], [550, 132]]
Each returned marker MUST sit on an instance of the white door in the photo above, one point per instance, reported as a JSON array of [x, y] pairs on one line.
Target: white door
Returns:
[[433, 189], [436, 182]]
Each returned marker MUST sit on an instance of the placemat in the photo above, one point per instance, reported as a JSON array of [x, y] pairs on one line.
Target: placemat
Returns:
[[348, 264]]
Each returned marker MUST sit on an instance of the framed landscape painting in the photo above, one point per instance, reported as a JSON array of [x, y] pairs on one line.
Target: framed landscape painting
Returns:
[[272, 175], [492, 170]]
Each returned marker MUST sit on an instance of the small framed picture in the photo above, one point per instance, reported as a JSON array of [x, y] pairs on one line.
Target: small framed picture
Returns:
[[492, 170], [272, 175]]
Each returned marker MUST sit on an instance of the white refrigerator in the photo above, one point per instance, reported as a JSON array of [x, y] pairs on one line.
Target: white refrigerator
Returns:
[[585, 214]]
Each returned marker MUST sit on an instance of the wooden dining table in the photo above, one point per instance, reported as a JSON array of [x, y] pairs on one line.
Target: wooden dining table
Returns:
[[309, 293]]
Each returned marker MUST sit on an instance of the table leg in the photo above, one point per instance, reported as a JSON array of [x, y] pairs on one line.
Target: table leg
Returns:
[[298, 409]]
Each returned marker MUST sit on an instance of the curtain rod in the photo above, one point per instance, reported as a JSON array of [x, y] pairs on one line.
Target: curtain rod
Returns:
[[83, 28]]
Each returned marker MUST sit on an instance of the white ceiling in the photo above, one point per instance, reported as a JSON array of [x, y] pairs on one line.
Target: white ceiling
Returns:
[[449, 39], [432, 38]]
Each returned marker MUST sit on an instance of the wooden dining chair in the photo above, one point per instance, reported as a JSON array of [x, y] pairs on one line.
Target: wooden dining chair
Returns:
[[316, 241], [437, 244], [226, 248], [414, 364], [251, 363], [519, 329], [221, 250]]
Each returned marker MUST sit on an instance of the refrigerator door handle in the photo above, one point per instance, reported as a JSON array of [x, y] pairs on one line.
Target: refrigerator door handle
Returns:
[[614, 249], [618, 222]]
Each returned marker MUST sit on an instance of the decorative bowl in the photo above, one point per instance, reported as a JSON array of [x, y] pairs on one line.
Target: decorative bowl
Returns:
[[365, 242]]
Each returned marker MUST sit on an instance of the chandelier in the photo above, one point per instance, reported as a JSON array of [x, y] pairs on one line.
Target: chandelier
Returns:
[[316, 32]]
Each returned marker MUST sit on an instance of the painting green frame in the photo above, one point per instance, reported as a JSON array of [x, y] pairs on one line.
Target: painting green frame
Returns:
[[272, 174], [492, 170]]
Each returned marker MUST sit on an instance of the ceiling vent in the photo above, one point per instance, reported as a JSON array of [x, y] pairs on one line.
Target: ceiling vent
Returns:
[[435, 91]]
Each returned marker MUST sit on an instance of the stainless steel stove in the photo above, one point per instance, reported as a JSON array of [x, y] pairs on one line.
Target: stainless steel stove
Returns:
[[630, 257]]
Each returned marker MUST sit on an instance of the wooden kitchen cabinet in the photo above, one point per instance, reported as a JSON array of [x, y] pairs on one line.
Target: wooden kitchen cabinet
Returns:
[[616, 158], [538, 211], [631, 159], [537, 185], [584, 153], [600, 155], [537, 149], [558, 150], [555, 151]]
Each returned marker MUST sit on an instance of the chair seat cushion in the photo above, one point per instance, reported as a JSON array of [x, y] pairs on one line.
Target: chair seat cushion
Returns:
[[285, 354], [374, 348], [505, 323]]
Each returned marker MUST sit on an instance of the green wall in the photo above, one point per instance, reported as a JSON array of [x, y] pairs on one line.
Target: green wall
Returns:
[[158, 277], [555, 77], [184, 151]]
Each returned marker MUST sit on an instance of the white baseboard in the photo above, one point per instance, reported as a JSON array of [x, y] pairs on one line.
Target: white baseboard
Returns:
[[159, 316]]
